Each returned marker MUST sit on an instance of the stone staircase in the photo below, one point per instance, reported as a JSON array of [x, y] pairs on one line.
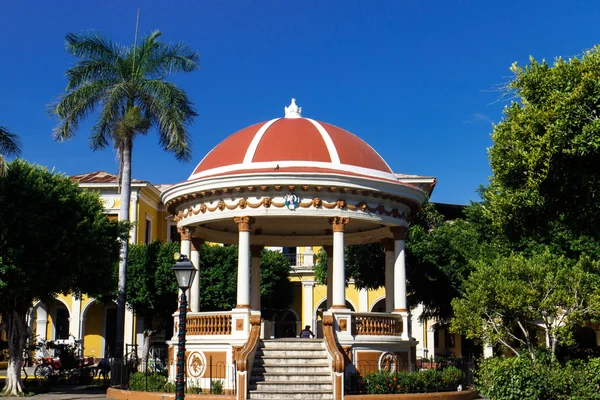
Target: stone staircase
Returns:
[[291, 369]]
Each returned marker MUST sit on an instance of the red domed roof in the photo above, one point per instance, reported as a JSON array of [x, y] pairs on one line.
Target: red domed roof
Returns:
[[293, 144]]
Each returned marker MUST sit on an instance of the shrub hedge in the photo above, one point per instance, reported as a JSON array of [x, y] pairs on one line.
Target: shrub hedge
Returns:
[[522, 378], [425, 381]]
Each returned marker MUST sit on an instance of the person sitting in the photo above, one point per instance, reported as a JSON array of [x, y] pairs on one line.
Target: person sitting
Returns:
[[306, 333]]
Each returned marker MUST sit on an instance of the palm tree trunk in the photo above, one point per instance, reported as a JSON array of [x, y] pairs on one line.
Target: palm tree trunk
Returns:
[[16, 331], [123, 216]]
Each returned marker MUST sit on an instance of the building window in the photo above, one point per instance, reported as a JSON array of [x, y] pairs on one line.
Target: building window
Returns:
[[173, 233], [148, 233]]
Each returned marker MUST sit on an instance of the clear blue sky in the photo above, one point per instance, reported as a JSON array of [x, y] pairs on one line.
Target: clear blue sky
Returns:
[[411, 77]]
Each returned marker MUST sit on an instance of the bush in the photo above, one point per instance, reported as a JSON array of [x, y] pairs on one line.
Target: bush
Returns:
[[425, 381], [154, 382], [512, 378], [217, 387]]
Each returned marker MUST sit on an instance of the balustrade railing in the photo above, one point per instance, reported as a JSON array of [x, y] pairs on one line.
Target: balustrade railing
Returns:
[[209, 324], [376, 324]]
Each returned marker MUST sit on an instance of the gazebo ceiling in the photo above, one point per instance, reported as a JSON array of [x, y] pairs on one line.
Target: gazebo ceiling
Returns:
[[291, 174]]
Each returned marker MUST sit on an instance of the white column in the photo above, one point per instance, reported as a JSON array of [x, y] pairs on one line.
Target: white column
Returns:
[[329, 251], [186, 248], [41, 322], [363, 300], [129, 328], [255, 278], [75, 316], [195, 287], [308, 257], [307, 306], [488, 351], [243, 281], [389, 274], [400, 279], [339, 273]]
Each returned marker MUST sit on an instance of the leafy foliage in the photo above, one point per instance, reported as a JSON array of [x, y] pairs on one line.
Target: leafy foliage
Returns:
[[218, 281], [546, 156], [523, 378], [151, 286], [503, 298], [424, 381], [127, 86], [54, 238], [10, 145], [79, 243], [152, 382]]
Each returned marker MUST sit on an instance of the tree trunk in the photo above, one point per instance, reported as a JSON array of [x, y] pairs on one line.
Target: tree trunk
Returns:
[[148, 337], [123, 216], [16, 332]]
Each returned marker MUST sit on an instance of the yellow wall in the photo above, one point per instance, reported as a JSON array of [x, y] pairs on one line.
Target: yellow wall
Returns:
[[94, 331]]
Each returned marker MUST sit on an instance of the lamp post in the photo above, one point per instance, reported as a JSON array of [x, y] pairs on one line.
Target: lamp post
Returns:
[[184, 272]]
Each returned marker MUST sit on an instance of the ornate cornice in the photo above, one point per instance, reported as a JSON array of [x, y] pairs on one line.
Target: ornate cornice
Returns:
[[316, 202], [172, 204], [338, 223]]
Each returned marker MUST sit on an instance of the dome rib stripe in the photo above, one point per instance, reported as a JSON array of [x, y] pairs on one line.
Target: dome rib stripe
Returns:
[[256, 140], [333, 154]]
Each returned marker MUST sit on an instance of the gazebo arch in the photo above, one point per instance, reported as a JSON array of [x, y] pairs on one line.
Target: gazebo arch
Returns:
[[290, 182]]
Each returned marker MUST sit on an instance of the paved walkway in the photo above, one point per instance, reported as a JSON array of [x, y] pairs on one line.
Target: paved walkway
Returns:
[[71, 393]]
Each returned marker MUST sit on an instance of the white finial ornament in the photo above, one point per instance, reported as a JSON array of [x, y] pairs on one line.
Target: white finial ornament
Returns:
[[293, 111]]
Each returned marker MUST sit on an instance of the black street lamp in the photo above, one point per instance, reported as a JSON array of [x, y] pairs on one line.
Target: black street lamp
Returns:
[[184, 272]]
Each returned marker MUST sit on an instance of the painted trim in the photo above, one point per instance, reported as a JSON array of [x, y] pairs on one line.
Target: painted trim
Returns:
[[249, 166], [375, 302], [253, 144], [333, 153]]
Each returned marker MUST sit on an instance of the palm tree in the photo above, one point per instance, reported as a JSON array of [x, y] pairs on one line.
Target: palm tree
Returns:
[[126, 87], [10, 145]]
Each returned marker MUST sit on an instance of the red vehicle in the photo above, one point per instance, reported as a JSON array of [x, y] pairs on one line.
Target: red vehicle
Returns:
[[65, 365]]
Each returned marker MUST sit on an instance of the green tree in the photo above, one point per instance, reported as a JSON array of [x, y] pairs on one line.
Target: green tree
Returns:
[[54, 238], [507, 299], [126, 86], [218, 279], [10, 145], [438, 255], [151, 287], [546, 157]]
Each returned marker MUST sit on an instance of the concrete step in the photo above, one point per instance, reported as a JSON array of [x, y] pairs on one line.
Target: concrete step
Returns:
[[289, 386], [274, 360], [291, 395], [260, 368], [294, 343], [257, 376], [292, 352]]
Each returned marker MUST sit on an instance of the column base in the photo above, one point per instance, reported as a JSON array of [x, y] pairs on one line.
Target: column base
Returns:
[[339, 307], [242, 306], [400, 310]]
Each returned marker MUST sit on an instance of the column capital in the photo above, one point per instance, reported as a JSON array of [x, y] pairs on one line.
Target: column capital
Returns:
[[244, 223], [337, 223], [186, 232], [196, 243], [388, 244], [399, 232], [255, 250]]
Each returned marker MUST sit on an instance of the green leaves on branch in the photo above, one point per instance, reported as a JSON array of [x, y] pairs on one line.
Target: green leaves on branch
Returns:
[[513, 300]]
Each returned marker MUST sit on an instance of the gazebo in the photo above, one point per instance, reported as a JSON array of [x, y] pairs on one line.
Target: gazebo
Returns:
[[295, 181]]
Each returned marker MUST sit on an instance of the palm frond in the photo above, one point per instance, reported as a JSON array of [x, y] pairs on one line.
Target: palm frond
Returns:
[[171, 112], [114, 101], [86, 71], [91, 45], [172, 58], [74, 106], [3, 167], [10, 144]]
